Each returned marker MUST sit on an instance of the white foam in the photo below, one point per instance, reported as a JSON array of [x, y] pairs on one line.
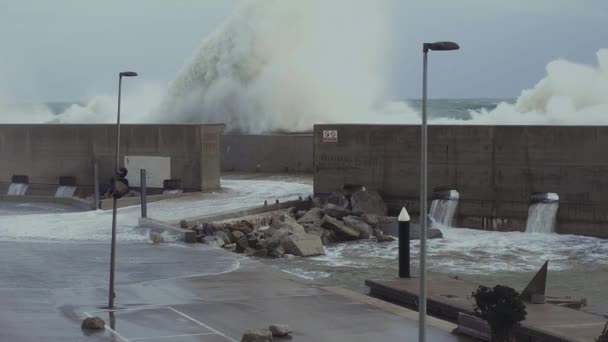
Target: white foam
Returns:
[[542, 217], [96, 225]]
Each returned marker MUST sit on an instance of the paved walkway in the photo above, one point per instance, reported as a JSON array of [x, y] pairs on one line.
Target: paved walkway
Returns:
[[229, 296]]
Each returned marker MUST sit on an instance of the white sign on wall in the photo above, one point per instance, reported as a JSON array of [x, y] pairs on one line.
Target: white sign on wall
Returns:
[[157, 170], [330, 136]]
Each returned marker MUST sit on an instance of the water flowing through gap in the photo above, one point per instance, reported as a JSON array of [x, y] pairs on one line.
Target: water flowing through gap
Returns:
[[18, 189], [444, 207], [542, 213], [65, 191]]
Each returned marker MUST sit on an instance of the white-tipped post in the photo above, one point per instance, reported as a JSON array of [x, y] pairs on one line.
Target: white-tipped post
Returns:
[[404, 216], [404, 244]]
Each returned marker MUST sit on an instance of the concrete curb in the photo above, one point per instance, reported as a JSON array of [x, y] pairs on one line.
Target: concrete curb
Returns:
[[299, 204], [185, 235]]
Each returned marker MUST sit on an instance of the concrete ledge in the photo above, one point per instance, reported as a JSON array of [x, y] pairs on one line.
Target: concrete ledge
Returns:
[[74, 202], [299, 204], [185, 235]]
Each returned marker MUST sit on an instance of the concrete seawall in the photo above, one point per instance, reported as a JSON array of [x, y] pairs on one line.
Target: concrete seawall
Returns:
[[494, 168], [267, 153], [46, 152]]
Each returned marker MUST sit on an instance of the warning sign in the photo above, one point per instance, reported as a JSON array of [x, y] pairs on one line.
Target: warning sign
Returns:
[[330, 136]]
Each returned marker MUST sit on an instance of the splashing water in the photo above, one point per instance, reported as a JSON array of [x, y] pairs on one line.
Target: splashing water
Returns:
[[65, 191], [542, 217], [18, 189], [443, 210]]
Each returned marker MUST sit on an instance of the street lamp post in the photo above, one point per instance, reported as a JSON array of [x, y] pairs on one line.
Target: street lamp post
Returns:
[[111, 294], [438, 46]]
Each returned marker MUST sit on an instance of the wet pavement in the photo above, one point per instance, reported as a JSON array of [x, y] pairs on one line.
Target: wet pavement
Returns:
[[172, 292]]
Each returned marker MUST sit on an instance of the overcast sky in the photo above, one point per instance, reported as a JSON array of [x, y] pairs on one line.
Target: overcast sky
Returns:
[[65, 50]]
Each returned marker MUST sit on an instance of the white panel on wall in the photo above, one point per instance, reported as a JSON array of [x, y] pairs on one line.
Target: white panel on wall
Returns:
[[157, 170]]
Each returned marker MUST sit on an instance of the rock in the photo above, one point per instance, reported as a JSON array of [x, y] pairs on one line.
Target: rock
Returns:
[[314, 230], [341, 231], [335, 211], [225, 237], [214, 241], [236, 235], [375, 220], [276, 239], [242, 226], [156, 237], [242, 244], [280, 330], [290, 226], [313, 216], [93, 323], [183, 224], [255, 335], [288, 256], [328, 237], [364, 229], [261, 253], [385, 238], [277, 252], [335, 198], [369, 202], [303, 245]]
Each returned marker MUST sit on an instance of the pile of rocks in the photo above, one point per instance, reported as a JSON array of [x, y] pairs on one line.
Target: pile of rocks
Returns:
[[332, 219]]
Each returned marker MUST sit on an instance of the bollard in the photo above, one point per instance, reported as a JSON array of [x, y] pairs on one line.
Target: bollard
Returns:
[[96, 199], [144, 191], [404, 244]]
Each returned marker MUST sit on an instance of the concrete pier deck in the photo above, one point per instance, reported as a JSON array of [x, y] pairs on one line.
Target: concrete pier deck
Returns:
[[447, 296], [182, 293]]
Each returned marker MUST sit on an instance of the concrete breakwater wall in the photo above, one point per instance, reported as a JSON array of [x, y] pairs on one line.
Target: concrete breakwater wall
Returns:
[[47, 152], [494, 168], [267, 153]]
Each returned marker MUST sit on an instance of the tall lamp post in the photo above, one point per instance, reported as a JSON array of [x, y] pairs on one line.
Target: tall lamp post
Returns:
[[438, 46], [111, 294]]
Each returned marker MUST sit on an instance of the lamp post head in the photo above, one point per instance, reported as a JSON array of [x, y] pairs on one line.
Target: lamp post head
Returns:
[[128, 74], [440, 46]]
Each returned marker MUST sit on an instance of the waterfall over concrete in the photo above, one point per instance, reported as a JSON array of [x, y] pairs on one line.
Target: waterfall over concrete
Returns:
[[18, 189], [65, 191], [542, 213], [444, 208]]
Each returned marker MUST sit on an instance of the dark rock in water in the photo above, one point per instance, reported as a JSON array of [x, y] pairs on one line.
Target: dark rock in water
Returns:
[[183, 224], [335, 198], [364, 229], [375, 220], [328, 237], [313, 216], [255, 335], [236, 235], [341, 231], [280, 330], [368, 202], [93, 323], [156, 237], [303, 245], [335, 211], [385, 238], [242, 244], [249, 251], [277, 252]]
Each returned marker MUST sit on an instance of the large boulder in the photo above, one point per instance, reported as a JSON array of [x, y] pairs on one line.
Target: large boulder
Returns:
[[375, 220], [369, 202], [365, 230], [313, 216], [93, 323], [289, 225], [303, 245], [222, 235], [242, 226], [242, 244], [340, 230], [214, 241], [335, 211], [280, 330], [255, 335], [335, 198]]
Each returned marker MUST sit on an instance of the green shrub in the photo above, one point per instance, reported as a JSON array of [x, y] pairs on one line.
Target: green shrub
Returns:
[[503, 309]]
